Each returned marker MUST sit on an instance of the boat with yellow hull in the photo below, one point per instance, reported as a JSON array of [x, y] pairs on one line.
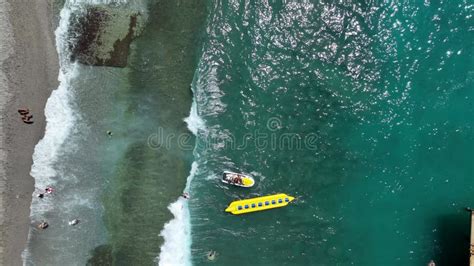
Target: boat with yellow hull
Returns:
[[259, 203], [237, 179]]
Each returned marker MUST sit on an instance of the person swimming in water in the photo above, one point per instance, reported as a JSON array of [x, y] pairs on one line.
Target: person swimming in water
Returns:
[[49, 190], [211, 255], [43, 225], [74, 222]]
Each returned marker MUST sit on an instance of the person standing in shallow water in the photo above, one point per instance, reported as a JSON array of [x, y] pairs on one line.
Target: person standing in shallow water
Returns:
[[43, 225]]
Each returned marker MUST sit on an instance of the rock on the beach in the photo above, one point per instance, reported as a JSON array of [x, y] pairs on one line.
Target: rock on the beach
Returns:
[[101, 35]]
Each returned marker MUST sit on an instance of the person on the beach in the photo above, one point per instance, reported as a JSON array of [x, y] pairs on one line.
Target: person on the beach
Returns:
[[23, 111], [27, 119], [43, 225], [49, 190], [25, 115]]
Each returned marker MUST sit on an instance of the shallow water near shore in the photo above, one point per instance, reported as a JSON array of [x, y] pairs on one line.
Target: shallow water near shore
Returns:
[[118, 186]]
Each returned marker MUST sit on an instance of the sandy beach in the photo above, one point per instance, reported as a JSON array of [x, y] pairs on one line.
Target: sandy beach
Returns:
[[29, 75]]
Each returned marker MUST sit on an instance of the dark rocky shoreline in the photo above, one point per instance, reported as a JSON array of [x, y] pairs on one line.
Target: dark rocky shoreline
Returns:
[[100, 37]]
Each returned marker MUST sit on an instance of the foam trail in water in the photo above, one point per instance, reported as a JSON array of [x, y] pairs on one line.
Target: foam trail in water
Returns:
[[194, 121], [59, 121], [176, 250]]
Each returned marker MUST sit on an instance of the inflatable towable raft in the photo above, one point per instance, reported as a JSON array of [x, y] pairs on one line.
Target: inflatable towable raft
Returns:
[[259, 204]]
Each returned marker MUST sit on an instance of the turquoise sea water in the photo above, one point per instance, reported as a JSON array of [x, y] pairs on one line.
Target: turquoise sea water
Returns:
[[384, 91], [362, 110]]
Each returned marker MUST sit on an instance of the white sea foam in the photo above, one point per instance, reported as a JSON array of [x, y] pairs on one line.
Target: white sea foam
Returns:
[[176, 250], [60, 119], [194, 121]]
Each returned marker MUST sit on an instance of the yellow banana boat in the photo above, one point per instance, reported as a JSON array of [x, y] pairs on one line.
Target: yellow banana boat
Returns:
[[259, 204]]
